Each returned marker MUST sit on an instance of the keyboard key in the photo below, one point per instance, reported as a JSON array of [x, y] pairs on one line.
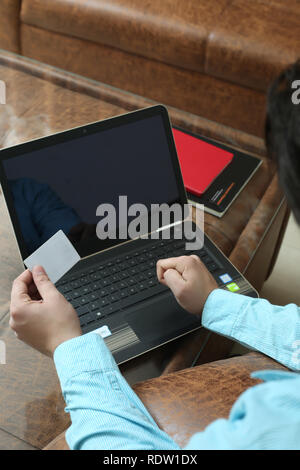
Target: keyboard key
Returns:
[[115, 307], [84, 280], [97, 314], [103, 302], [122, 266], [85, 290], [124, 275], [66, 288], [95, 277], [122, 285], [104, 292], [150, 274], [105, 272], [96, 286], [132, 290], [94, 296], [76, 303], [75, 284], [133, 262], [114, 297], [94, 306], [140, 296], [112, 289], [142, 286], [82, 310], [88, 318], [133, 271], [144, 267], [212, 267], [124, 293]]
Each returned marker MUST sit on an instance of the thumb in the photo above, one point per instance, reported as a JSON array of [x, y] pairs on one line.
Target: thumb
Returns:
[[42, 281], [174, 280]]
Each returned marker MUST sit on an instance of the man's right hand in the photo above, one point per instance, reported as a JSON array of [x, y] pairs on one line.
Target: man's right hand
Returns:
[[188, 279], [39, 314]]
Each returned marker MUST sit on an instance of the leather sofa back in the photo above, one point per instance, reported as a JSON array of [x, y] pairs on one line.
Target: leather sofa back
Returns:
[[172, 31], [244, 42]]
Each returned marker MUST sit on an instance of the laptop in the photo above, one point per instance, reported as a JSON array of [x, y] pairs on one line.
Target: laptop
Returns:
[[58, 182]]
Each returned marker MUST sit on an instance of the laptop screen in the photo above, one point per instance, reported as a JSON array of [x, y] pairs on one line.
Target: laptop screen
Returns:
[[60, 183]]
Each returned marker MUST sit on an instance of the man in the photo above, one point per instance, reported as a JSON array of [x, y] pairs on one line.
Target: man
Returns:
[[105, 412]]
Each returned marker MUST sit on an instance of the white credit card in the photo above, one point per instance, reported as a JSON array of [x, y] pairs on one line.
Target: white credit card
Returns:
[[57, 256]]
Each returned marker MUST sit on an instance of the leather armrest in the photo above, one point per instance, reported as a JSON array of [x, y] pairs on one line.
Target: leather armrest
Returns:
[[185, 402]]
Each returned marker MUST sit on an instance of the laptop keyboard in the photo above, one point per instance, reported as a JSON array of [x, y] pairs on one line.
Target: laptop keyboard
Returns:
[[123, 281]]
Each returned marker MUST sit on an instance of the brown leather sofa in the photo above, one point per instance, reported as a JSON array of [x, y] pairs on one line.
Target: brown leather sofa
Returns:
[[212, 58]]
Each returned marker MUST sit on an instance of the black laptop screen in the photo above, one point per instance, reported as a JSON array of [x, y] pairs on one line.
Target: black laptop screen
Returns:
[[60, 186]]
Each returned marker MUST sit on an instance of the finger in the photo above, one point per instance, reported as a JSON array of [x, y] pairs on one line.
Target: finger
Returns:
[[19, 291], [170, 263], [201, 265], [44, 286], [174, 281]]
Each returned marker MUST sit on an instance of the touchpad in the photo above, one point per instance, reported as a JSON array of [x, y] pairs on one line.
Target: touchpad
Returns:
[[160, 320]]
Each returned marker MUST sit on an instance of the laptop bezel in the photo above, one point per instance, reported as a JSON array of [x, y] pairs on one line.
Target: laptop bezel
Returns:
[[83, 131]]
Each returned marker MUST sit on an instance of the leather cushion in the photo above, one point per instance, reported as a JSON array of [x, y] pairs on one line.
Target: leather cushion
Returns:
[[171, 31], [254, 41]]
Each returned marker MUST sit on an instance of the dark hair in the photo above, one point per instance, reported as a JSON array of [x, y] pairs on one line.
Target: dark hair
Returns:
[[283, 134]]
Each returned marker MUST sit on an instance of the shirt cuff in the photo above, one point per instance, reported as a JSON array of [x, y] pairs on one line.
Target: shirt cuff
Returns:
[[222, 309], [84, 353]]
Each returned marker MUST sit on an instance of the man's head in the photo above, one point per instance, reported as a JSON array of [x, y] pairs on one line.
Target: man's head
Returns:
[[283, 134]]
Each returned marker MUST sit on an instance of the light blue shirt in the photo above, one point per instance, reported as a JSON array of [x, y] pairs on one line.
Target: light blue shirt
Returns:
[[107, 414]]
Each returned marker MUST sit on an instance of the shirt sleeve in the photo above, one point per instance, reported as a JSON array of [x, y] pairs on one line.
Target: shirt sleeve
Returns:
[[105, 412], [272, 330]]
